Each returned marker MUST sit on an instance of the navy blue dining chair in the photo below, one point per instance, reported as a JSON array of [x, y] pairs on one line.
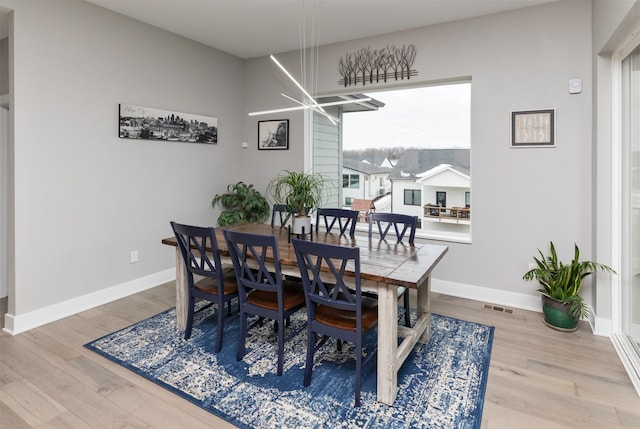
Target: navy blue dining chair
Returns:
[[284, 213], [344, 219], [218, 285], [404, 229], [401, 223], [263, 292], [335, 309]]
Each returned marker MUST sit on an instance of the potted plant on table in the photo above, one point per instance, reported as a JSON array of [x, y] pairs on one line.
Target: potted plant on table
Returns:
[[302, 192], [240, 203], [560, 282]]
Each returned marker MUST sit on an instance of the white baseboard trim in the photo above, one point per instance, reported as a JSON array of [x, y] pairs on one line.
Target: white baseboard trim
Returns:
[[14, 325], [488, 295], [601, 326]]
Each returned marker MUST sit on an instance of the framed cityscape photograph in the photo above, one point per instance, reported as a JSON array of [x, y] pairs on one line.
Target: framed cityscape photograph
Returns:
[[273, 134], [533, 128], [148, 123]]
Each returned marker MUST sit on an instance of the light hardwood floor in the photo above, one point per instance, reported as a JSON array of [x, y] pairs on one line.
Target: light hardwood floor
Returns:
[[539, 378]]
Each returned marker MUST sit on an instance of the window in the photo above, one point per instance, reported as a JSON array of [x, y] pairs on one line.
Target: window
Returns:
[[348, 201], [411, 197], [416, 141], [350, 181], [628, 308], [441, 199]]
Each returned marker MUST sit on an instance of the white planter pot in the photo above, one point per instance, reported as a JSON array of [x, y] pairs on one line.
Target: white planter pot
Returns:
[[299, 223]]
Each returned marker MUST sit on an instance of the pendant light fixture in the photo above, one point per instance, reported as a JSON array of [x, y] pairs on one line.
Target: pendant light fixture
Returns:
[[311, 102]]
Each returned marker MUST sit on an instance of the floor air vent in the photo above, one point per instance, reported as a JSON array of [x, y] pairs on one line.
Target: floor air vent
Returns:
[[498, 308]]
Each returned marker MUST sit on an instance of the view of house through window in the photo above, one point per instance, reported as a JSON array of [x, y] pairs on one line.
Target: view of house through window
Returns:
[[412, 156]]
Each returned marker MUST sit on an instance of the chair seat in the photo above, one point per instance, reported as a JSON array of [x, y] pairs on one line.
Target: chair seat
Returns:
[[343, 319], [210, 285], [293, 297]]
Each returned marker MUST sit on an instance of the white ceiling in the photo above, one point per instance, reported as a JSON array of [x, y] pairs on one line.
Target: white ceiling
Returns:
[[252, 28]]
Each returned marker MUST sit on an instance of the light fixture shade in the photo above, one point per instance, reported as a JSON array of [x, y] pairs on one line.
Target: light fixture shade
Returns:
[[306, 106]]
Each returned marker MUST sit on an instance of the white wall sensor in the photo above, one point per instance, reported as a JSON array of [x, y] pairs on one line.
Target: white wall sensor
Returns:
[[575, 86]]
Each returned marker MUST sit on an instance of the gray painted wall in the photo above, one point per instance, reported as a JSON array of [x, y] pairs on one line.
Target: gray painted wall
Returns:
[[609, 25], [4, 66], [83, 197]]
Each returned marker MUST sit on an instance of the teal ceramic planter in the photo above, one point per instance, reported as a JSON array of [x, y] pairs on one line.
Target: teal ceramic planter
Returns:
[[557, 315]]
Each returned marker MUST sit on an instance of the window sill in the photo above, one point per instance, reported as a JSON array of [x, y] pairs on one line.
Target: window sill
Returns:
[[463, 238], [448, 237]]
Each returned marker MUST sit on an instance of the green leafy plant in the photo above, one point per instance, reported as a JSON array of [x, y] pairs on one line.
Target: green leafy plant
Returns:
[[301, 191], [241, 202], [562, 281]]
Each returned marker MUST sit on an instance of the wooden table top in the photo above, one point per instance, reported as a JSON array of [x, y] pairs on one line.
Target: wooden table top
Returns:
[[380, 261]]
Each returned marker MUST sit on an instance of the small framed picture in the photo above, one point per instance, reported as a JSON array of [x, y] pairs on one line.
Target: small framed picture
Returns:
[[273, 134], [533, 128]]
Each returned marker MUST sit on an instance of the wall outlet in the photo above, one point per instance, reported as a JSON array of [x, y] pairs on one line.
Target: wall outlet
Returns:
[[133, 256]]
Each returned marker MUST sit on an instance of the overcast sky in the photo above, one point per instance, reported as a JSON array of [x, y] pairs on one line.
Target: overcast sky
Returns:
[[428, 117]]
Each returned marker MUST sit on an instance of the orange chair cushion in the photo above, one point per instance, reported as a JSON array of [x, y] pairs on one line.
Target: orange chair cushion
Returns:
[[346, 320], [210, 285], [293, 297]]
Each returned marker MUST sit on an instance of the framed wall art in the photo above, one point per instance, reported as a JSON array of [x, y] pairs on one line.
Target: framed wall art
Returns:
[[148, 123], [273, 134], [533, 128]]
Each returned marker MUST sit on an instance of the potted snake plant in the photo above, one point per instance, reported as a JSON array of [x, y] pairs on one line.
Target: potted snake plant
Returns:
[[560, 285]]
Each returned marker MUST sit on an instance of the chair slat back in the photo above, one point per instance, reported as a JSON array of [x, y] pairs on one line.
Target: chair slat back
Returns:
[[323, 268], [284, 213], [346, 219], [250, 254], [193, 242], [401, 225]]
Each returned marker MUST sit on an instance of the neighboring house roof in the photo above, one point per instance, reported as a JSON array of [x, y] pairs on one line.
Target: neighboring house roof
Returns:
[[416, 161], [368, 156], [373, 159], [380, 161], [444, 175], [389, 162], [363, 167], [438, 170]]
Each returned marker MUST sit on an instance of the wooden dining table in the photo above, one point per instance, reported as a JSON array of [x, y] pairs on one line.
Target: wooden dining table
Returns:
[[384, 266]]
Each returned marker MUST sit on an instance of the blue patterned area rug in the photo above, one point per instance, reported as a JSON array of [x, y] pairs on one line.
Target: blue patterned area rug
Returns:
[[441, 385]]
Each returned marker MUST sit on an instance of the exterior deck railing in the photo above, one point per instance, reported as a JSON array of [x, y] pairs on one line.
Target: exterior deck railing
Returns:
[[455, 214]]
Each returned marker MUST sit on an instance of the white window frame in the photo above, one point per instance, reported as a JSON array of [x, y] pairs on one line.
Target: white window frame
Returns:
[[463, 238], [628, 357]]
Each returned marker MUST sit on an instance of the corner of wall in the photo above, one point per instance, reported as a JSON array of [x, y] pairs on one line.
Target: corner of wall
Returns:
[[600, 326]]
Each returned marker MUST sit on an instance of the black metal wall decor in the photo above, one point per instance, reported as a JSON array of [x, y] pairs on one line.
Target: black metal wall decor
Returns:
[[374, 66]]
